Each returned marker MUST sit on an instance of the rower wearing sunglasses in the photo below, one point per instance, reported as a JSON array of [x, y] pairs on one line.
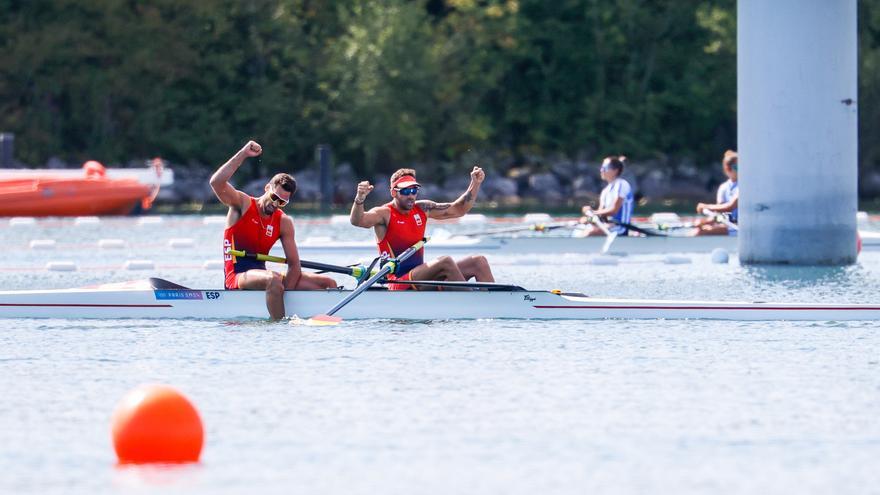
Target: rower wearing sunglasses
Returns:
[[616, 202], [401, 223], [726, 202], [254, 225]]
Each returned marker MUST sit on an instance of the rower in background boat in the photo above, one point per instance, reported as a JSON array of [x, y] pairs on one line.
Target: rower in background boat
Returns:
[[254, 225], [401, 223], [616, 202], [726, 202]]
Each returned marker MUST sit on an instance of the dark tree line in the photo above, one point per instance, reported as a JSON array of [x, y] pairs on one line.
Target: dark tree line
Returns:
[[384, 82]]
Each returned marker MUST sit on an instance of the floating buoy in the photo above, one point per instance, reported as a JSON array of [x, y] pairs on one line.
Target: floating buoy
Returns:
[[150, 220], [139, 265], [665, 217], [42, 244], [720, 256], [22, 221], [156, 423], [858, 243], [61, 266], [111, 243], [537, 218], [212, 265], [676, 259], [340, 220], [181, 243], [86, 221], [214, 220]]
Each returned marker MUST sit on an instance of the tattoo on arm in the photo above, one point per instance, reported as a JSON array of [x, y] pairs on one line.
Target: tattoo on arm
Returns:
[[468, 197]]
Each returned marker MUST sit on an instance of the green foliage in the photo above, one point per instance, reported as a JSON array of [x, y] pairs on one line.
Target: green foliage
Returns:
[[385, 82]]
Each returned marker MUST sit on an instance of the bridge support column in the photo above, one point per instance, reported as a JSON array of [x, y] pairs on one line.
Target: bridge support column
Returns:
[[797, 131]]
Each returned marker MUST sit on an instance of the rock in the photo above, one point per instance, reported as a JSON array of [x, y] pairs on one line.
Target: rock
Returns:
[[496, 187]]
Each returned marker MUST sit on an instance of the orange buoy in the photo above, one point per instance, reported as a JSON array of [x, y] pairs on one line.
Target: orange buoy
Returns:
[[858, 243], [156, 423]]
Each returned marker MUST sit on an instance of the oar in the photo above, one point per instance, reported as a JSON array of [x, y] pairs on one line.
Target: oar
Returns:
[[357, 271], [720, 218], [641, 230], [390, 265], [538, 227], [609, 236]]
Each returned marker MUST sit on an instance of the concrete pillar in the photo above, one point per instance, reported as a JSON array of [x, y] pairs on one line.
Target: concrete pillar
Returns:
[[797, 130]]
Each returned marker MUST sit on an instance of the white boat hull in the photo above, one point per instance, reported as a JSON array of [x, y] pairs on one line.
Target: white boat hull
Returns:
[[550, 244], [113, 302]]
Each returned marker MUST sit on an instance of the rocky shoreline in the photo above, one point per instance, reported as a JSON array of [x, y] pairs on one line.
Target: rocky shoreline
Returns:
[[538, 182]]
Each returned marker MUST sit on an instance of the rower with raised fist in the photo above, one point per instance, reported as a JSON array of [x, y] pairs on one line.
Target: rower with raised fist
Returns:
[[254, 225], [401, 223]]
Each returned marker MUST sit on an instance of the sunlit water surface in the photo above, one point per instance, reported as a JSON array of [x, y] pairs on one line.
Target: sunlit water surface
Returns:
[[447, 406]]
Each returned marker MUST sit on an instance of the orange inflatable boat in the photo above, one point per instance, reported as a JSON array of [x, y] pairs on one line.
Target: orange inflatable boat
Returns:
[[44, 194]]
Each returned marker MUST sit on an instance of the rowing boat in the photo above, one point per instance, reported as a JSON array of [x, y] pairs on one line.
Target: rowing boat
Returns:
[[549, 244], [158, 298]]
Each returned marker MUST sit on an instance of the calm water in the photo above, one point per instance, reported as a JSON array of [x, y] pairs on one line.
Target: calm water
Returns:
[[448, 407]]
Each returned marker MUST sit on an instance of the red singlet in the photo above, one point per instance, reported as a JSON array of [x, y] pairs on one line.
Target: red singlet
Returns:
[[251, 233], [404, 230]]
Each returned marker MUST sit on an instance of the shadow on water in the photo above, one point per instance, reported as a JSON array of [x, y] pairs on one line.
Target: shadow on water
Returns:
[[795, 277]]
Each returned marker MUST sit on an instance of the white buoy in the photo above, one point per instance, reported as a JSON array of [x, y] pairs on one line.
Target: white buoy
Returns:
[[214, 219], [720, 256], [605, 260], [537, 218], [676, 259], [472, 218], [153, 220], [181, 243], [111, 244], [212, 265], [665, 217], [139, 265], [86, 221], [61, 266], [340, 220], [22, 221], [42, 244]]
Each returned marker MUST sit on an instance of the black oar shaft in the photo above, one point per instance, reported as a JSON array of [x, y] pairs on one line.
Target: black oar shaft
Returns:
[[388, 268], [354, 271]]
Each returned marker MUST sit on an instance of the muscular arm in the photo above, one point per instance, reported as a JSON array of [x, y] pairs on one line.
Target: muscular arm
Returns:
[[288, 242], [367, 219], [460, 206], [224, 191]]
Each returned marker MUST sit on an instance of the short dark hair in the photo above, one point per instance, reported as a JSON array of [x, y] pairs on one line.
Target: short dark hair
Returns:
[[401, 172], [284, 181]]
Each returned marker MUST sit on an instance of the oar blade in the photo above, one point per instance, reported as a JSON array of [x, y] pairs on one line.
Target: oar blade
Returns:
[[316, 321], [323, 320], [609, 239]]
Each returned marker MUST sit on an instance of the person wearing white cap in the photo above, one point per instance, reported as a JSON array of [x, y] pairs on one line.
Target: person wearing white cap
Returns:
[[401, 223]]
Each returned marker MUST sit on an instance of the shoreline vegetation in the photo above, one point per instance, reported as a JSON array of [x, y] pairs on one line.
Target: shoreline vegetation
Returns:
[[393, 83]]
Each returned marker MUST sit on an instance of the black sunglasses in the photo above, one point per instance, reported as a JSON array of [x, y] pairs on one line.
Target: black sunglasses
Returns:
[[409, 191]]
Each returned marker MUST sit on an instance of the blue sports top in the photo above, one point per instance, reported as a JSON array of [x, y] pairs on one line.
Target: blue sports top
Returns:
[[726, 193], [618, 188]]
